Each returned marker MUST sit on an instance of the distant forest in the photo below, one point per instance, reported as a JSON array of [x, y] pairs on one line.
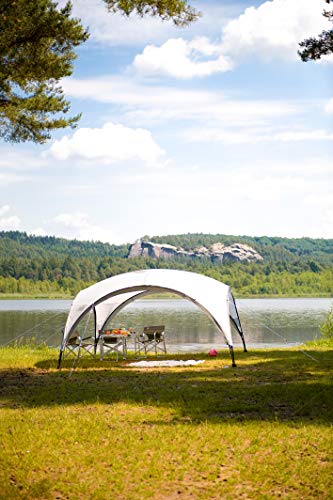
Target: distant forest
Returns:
[[50, 266]]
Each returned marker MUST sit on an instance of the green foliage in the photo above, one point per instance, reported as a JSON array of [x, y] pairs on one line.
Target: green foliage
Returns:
[[45, 265], [272, 248], [326, 328], [37, 49], [179, 11], [37, 42], [315, 48]]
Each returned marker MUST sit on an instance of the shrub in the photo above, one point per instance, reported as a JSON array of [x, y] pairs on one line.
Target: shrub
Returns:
[[326, 328]]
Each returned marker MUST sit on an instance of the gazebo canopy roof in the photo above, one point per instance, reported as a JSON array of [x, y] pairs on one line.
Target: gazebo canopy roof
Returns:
[[107, 297]]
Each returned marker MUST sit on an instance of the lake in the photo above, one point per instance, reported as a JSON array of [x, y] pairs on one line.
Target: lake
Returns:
[[266, 322]]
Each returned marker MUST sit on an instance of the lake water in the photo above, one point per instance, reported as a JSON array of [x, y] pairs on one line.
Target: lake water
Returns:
[[266, 322]]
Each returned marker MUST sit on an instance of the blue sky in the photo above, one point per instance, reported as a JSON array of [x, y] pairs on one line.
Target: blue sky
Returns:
[[215, 128]]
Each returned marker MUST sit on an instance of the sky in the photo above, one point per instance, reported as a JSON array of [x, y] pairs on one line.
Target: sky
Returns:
[[214, 128]]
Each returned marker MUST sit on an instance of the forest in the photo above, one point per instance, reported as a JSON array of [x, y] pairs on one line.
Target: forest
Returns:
[[49, 266]]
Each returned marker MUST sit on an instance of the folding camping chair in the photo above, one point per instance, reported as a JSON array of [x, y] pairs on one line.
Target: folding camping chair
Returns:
[[151, 339], [112, 344], [79, 347]]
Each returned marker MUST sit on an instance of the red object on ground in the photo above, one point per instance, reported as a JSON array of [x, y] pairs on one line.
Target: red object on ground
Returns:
[[212, 353]]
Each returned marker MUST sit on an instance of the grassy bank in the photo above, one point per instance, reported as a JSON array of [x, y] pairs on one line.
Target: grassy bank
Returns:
[[262, 430], [167, 295], [35, 296]]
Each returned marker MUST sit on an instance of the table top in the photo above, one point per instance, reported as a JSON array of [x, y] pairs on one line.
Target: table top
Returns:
[[116, 331]]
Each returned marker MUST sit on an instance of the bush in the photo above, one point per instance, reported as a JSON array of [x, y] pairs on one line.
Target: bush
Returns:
[[326, 328]]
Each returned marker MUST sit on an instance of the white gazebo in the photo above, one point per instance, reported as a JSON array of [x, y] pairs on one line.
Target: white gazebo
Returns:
[[106, 298]]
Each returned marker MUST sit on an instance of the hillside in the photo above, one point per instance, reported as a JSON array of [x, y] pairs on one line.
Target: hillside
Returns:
[[273, 249], [38, 265], [22, 245]]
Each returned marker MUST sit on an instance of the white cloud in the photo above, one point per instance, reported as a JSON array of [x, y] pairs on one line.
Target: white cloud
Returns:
[[4, 209], [329, 106], [8, 223], [77, 220], [255, 136], [322, 204], [262, 195], [182, 59], [6, 179], [303, 135], [151, 103], [119, 30], [274, 29], [77, 225], [111, 143], [39, 231], [21, 159]]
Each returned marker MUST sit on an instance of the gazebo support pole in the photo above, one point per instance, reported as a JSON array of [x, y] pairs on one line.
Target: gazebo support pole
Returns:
[[95, 330], [231, 349], [60, 358], [243, 340]]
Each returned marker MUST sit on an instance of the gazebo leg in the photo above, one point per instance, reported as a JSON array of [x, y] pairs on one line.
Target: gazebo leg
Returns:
[[60, 358], [231, 349], [244, 345]]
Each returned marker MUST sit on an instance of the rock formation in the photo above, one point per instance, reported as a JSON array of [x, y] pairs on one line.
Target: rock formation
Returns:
[[216, 252]]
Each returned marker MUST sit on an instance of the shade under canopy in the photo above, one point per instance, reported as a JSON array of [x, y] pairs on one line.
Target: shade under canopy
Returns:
[[107, 297]]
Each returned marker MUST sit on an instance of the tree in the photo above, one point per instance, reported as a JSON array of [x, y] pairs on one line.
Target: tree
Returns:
[[37, 49], [178, 11], [37, 44], [315, 48]]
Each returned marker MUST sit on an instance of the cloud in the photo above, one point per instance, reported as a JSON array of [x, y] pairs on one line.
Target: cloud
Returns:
[[119, 30], [322, 204], [21, 159], [111, 143], [303, 135], [12, 222], [39, 231], [255, 136], [262, 194], [4, 209], [329, 106], [148, 104], [77, 225], [182, 59], [274, 29], [6, 179]]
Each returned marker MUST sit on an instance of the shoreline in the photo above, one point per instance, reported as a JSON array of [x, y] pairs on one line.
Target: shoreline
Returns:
[[166, 296]]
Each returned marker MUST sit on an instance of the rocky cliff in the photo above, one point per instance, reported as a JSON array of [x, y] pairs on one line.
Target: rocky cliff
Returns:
[[216, 252]]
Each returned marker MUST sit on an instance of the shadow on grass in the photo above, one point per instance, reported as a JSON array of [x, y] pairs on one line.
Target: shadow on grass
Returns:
[[266, 385]]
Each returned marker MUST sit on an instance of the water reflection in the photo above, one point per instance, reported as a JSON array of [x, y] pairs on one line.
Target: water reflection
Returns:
[[265, 321]]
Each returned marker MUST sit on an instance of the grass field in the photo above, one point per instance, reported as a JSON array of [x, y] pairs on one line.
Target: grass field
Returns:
[[261, 430]]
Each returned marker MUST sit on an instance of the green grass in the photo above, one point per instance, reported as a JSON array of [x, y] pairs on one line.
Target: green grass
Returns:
[[261, 430], [34, 296]]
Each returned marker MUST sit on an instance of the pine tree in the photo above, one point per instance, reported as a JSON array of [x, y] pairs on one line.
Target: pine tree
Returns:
[[37, 43], [37, 49], [314, 48]]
